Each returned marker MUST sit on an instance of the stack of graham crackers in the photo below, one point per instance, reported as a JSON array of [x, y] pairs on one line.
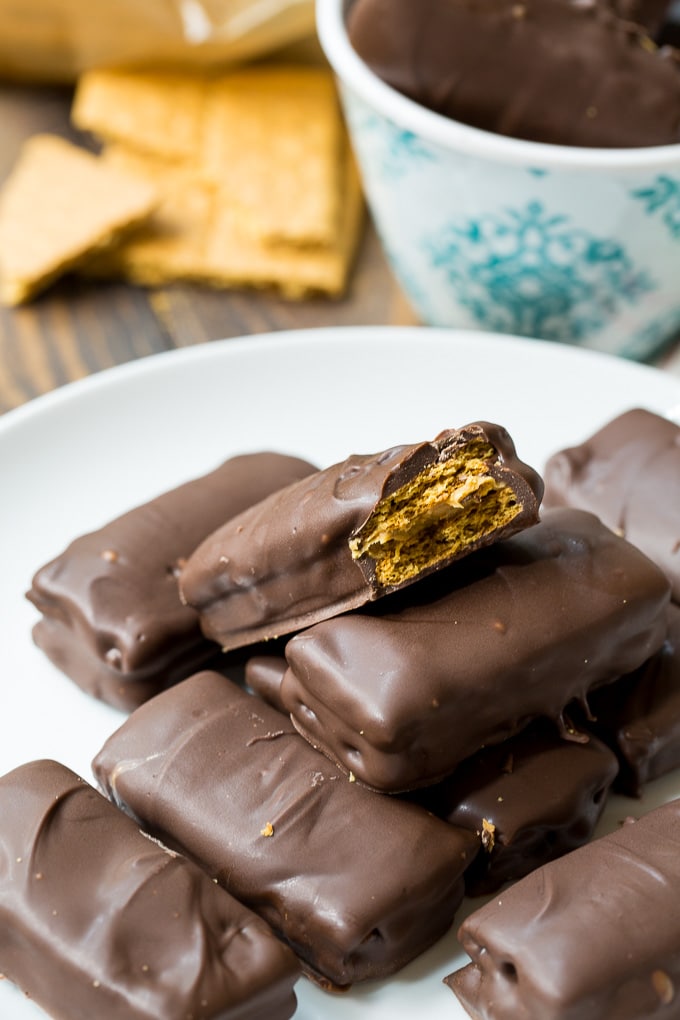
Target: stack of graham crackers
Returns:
[[245, 179]]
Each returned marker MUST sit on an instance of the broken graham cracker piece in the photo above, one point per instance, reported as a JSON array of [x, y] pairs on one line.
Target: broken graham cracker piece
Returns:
[[196, 234], [155, 112], [171, 244], [270, 137], [273, 141], [59, 204]]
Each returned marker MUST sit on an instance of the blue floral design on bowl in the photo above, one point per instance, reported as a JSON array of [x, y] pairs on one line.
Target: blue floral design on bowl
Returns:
[[533, 272]]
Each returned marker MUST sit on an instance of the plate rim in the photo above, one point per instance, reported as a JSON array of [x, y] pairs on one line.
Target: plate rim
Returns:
[[245, 343]]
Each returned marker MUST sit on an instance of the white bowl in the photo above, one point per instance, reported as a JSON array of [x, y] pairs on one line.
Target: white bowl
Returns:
[[489, 232]]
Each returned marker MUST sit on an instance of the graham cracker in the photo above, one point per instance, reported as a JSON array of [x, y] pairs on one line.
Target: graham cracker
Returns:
[[272, 141], [59, 204], [233, 257], [156, 112], [197, 234], [257, 185], [171, 244]]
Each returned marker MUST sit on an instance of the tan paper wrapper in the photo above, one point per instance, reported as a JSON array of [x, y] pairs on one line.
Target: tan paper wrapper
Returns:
[[55, 40]]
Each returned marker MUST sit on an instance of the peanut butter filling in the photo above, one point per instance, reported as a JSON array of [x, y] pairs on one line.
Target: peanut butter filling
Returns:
[[444, 509]]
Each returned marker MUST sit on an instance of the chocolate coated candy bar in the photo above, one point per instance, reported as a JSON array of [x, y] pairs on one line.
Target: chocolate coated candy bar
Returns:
[[592, 936], [96, 920], [639, 715], [565, 72], [112, 618], [357, 884], [531, 799], [400, 698], [628, 474], [353, 532]]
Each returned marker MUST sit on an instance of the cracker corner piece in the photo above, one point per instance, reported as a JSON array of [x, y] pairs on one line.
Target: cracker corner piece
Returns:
[[156, 112], [170, 245], [235, 259], [59, 204]]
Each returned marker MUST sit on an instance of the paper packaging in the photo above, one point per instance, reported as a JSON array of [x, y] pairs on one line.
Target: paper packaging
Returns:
[[55, 40]]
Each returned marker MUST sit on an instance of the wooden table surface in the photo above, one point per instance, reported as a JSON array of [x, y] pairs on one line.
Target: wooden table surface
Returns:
[[79, 327]]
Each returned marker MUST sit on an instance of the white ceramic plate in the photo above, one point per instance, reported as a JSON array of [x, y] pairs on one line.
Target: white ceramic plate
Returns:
[[80, 456]]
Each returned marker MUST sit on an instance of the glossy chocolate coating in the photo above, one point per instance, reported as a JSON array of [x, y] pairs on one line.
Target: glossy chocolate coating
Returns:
[[566, 72], [112, 617], [98, 921], [639, 715], [594, 935], [263, 675], [357, 884], [531, 799], [628, 473], [401, 697], [288, 562]]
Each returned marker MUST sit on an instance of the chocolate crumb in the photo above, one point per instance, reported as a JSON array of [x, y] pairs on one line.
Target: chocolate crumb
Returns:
[[488, 835]]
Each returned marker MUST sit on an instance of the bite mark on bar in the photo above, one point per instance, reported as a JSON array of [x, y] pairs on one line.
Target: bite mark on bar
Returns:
[[441, 511]]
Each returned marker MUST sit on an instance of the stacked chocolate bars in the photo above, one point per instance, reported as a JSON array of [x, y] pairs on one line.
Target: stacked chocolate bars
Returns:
[[419, 734]]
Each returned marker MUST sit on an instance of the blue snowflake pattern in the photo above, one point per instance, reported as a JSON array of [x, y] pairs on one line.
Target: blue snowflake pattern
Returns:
[[662, 196], [533, 273], [400, 150]]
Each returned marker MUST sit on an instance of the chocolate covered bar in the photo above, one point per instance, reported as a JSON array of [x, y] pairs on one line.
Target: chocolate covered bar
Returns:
[[592, 936], [402, 696], [530, 799], [97, 920], [565, 72], [350, 534], [628, 473], [357, 884], [112, 618], [639, 715]]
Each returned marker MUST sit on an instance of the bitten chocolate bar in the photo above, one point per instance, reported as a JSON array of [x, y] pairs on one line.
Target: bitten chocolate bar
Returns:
[[628, 474], [350, 534], [357, 884], [112, 617], [592, 936], [400, 698], [530, 799], [97, 920], [639, 715]]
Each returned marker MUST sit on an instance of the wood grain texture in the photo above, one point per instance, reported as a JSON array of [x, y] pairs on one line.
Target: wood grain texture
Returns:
[[79, 327]]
